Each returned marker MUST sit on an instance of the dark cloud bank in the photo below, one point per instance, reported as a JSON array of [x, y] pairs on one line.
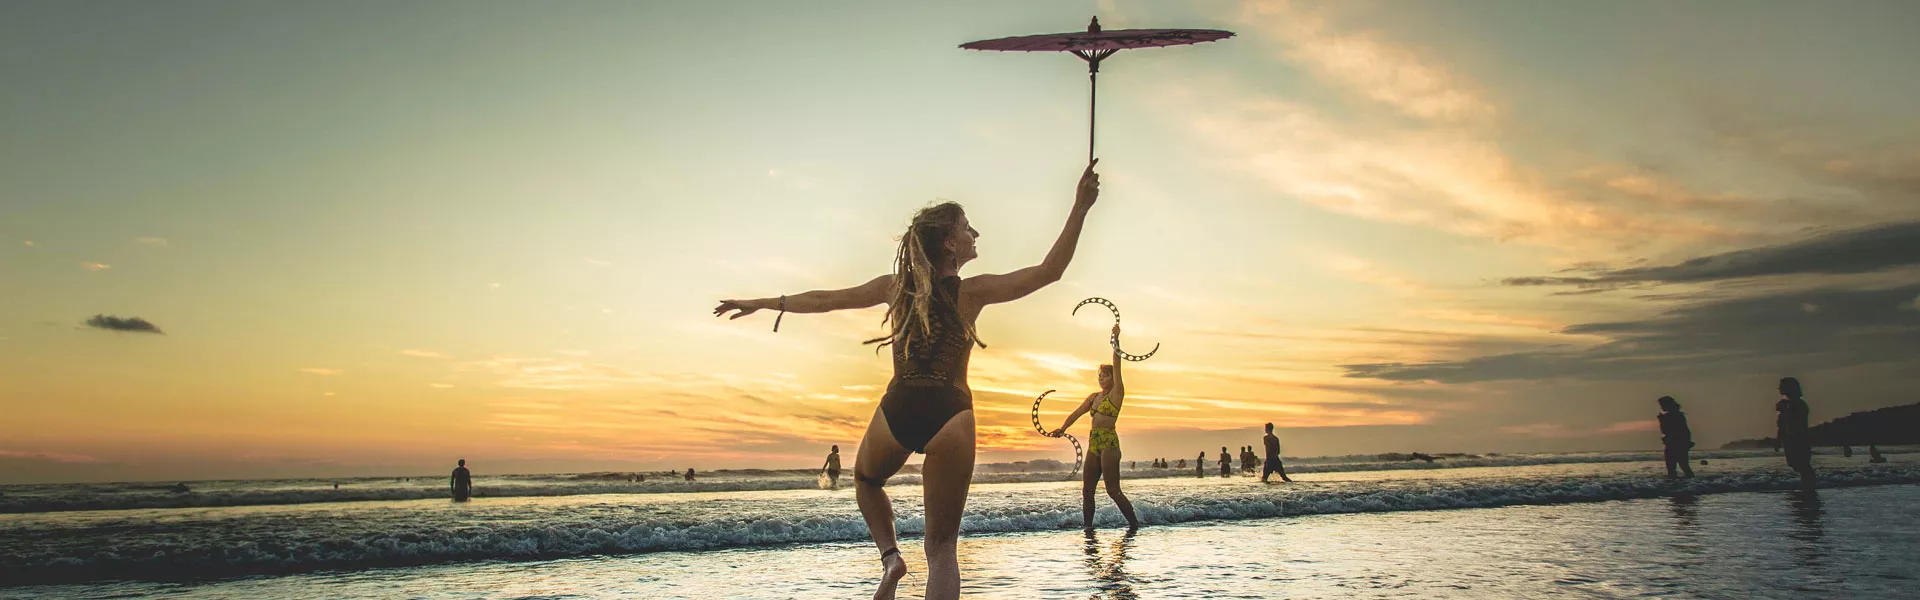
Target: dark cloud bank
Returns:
[[1781, 331], [1863, 250], [130, 324]]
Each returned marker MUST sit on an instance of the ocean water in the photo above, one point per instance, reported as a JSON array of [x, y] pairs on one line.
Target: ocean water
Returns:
[[1593, 528]]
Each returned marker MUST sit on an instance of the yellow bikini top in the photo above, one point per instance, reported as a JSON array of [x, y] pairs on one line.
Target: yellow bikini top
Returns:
[[1106, 407]]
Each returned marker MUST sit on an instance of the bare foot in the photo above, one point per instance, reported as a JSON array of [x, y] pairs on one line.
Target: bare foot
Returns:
[[896, 568]]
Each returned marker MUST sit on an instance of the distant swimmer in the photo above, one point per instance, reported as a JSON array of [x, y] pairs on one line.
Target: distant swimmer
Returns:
[[1273, 465], [1200, 464], [1792, 434], [689, 473], [833, 468], [1226, 463], [462, 482], [1846, 451], [1675, 436], [1246, 460], [1873, 454]]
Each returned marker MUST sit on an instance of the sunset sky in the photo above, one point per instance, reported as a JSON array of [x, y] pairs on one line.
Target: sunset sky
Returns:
[[376, 237]]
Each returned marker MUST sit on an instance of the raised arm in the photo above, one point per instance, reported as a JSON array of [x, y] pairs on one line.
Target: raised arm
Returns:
[[817, 301], [1085, 405], [1119, 386], [1006, 287]]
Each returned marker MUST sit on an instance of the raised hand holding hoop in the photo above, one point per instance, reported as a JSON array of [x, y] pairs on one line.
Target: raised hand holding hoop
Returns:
[[1116, 323], [1078, 455]]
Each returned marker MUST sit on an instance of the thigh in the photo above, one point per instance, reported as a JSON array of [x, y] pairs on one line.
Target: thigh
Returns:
[[948, 474], [880, 455], [1110, 467], [1090, 472]]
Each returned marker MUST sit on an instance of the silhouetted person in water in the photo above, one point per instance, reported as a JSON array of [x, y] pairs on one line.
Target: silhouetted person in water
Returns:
[[1873, 454], [1846, 451], [833, 467], [689, 473], [1272, 442], [462, 482], [1676, 436], [1226, 463], [1792, 435], [1200, 465]]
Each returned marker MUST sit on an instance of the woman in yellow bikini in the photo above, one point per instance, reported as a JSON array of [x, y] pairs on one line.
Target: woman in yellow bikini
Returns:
[[1103, 449]]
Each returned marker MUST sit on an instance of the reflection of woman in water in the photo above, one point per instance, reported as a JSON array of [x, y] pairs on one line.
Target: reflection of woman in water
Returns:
[[1676, 436], [928, 407], [1103, 446], [1110, 573]]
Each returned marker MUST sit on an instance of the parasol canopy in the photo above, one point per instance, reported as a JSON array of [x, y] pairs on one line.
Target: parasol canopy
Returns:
[[1095, 45], [1094, 40]]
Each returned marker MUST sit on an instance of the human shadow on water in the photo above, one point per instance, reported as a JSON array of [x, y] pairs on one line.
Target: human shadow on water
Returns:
[[1809, 528], [1109, 568], [1688, 548]]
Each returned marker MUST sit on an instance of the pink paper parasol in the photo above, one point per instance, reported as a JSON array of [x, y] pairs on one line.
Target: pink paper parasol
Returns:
[[1093, 46]]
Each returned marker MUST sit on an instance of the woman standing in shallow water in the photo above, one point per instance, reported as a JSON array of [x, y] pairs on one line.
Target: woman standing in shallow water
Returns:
[[1103, 443], [1675, 436], [928, 407]]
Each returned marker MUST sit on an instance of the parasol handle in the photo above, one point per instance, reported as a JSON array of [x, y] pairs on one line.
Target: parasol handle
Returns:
[[1093, 59], [1093, 97]]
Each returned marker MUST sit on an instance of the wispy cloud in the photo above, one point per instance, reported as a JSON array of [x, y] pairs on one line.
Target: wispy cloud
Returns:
[[1626, 427], [128, 324], [94, 266], [423, 354], [1367, 65], [321, 371], [59, 457]]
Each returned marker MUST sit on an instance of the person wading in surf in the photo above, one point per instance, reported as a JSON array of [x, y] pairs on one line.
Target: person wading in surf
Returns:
[[1103, 442], [832, 467], [928, 407]]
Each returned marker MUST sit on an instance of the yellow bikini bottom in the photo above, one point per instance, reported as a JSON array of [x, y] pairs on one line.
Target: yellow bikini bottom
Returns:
[[1102, 439]]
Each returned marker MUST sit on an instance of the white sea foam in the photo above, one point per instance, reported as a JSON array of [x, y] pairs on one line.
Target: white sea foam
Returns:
[[88, 497], [219, 542]]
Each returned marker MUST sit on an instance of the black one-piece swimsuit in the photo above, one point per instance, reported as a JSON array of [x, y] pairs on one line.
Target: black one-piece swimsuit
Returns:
[[929, 382]]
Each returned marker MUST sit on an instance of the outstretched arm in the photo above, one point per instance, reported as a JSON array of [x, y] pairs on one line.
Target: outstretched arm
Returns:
[[1006, 287], [817, 301], [1085, 405]]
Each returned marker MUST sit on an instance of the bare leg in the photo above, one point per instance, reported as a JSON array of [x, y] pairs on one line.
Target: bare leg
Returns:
[[1111, 460], [880, 457], [945, 478], [1089, 479]]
